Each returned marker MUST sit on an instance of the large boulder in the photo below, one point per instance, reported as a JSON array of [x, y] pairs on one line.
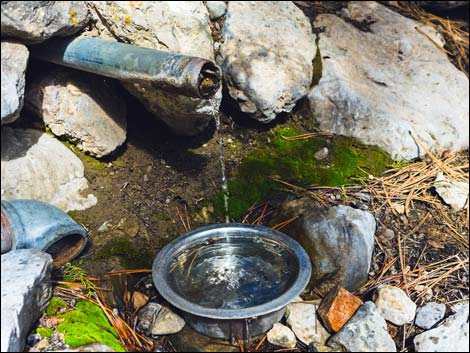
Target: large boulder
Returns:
[[384, 75], [36, 21], [176, 26], [36, 166], [26, 290], [339, 241], [266, 56], [14, 60], [82, 107]]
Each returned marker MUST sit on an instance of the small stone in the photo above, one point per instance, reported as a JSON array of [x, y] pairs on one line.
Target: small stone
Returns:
[[167, 322], [216, 9], [139, 300], [282, 336], [429, 315], [321, 154], [337, 308], [103, 228], [394, 305], [366, 331], [301, 317], [454, 193], [43, 344], [189, 340], [450, 336]]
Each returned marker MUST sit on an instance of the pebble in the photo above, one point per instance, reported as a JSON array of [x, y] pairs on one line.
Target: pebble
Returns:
[[302, 319], [454, 193], [321, 154], [282, 336], [429, 315], [394, 305]]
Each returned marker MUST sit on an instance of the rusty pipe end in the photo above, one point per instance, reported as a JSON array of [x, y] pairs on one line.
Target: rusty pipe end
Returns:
[[201, 78]]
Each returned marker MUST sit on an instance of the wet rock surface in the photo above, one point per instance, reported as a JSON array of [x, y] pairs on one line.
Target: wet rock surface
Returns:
[[84, 108], [394, 305], [451, 336], [26, 290], [178, 27], [429, 314], [365, 332], [14, 61], [302, 319], [36, 166], [265, 73], [36, 21], [386, 79], [339, 241], [282, 336]]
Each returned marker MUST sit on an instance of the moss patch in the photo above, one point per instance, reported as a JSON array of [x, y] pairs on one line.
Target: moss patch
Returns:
[[88, 324], [131, 256], [54, 306], [44, 332], [294, 162]]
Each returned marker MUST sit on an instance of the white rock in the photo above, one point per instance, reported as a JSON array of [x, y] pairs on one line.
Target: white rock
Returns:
[[176, 26], [321, 154], [36, 166], [85, 108], [14, 61], [380, 84], [301, 317], [282, 336], [394, 305], [366, 331], [429, 315], [454, 193], [26, 290], [451, 336], [167, 322], [216, 9], [266, 56]]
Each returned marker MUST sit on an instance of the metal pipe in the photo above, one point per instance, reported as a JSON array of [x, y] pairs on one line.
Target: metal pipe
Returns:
[[33, 224], [186, 75]]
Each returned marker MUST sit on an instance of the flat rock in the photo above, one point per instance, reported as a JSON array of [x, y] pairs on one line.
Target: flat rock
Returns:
[[337, 308], [429, 314], [84, 108], [36, 21], [365, 332], [302, 319], [394, 305], [37, 166], [380, 81], [156, 320], [14, 60], [451, 336], [26, 290], [176, 26], [189, 340], [216, 9], [454, 193], [282, 336], [266, 56], [339, 241]]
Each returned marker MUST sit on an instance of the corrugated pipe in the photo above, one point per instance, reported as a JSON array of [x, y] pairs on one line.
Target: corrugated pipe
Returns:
[[186, 75], [34, 224]]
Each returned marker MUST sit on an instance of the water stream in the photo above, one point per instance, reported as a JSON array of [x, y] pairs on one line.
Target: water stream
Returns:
[[223, 168]]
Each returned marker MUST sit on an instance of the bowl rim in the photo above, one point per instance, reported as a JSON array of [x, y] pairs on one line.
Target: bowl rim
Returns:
[[162, 261]]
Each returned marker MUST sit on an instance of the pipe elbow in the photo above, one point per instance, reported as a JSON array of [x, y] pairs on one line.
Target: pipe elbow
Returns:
[[35, 224]]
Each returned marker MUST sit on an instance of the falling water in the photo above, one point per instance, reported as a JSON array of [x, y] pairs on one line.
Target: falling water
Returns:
[[222, 165]]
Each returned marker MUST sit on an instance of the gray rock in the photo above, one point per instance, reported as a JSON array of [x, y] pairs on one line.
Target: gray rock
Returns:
[[451, 336], [429, 314], [302, 319], [189, 340], [454, 193], [84, 108], [378, 85], [36, 21], [36, 166], [92, 347], [176, 26], [14, 61], [282, 336], [156, 320], [26, 290], [266, 56], [321, 154], [394, 305], [366, 331], [339, 241], [216, 9]]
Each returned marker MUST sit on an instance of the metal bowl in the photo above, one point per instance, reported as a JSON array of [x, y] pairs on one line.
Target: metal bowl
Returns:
[[231, 280]]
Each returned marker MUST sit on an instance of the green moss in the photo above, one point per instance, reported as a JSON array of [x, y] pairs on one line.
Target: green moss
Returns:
[[54, 306], [131, 256], [44, 332], [88, 324], [293, 161], [317, 67]]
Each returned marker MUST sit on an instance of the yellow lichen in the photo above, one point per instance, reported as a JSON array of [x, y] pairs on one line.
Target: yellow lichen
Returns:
[[73, 19], [128, 20]]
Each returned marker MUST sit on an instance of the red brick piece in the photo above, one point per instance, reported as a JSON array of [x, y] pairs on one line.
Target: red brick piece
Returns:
[[337, 308]]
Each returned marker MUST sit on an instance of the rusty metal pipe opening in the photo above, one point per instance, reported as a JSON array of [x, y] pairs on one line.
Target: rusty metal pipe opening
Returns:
[[66, 249], [187, 75]]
